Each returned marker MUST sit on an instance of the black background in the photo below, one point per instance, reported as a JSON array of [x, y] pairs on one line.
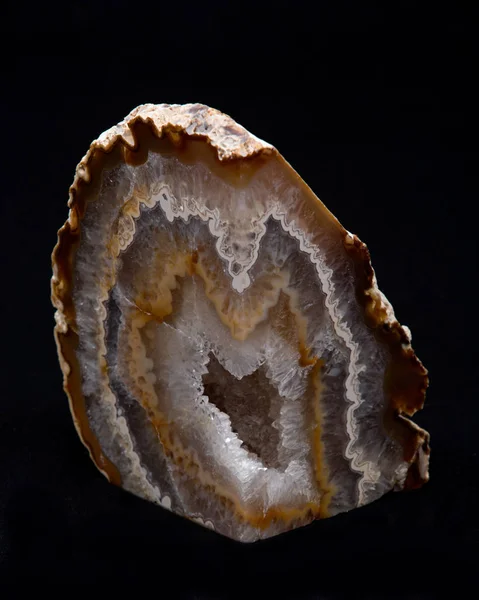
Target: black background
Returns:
[[377, 113]]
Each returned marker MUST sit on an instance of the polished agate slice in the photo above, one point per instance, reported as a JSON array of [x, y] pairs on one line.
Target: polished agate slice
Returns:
[[225, 348]]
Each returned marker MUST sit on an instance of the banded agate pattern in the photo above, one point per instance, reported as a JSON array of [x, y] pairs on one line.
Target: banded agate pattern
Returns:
[[225, 348]]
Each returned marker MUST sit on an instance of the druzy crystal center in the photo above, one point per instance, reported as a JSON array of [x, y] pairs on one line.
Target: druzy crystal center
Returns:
[[252, 404]]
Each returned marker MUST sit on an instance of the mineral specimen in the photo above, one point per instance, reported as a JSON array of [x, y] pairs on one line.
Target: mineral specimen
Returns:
[[225, 348]]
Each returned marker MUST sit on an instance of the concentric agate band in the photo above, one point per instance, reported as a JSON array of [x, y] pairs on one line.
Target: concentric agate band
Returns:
[[225, 348]]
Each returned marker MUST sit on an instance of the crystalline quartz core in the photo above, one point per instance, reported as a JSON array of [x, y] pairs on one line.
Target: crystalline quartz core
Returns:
[[225, 348]]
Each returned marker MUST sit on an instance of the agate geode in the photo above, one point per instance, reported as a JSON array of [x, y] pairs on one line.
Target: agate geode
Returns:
[[225, 348]]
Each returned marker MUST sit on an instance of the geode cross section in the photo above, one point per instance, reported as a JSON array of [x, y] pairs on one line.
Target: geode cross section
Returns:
[[225, 348]]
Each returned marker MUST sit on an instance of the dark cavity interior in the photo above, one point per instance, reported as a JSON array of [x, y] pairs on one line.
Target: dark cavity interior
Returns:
[[252, 403]]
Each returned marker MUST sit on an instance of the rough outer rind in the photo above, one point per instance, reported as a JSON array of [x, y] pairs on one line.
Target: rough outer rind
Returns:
[[406, 379]]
